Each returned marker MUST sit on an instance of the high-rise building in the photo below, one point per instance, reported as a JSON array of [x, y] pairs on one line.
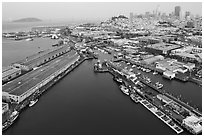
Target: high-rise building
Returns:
[[178, 11], [187, 14], [131, 17]]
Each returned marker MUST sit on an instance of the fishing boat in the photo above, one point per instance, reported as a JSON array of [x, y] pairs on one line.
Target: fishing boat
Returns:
[[33, 102], [29, 39], [124, 89], [155, 73]]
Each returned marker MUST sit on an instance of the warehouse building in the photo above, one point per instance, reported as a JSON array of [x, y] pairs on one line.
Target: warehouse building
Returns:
[[32, 62], [22, 87], [152, 59], [162, 48], [9, 73]]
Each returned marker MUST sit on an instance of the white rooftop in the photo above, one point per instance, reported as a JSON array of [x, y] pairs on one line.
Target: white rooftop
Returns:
[[194, 123]]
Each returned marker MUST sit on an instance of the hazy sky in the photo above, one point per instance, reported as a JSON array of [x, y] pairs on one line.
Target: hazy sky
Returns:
[[89, 10]]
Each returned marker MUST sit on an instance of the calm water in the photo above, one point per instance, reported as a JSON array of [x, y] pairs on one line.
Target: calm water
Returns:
[[20, 26], [13, 51], [87, 103], [84, 102]]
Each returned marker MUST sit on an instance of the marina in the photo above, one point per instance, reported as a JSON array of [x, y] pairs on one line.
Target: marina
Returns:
[[145, 80], [130, 74]]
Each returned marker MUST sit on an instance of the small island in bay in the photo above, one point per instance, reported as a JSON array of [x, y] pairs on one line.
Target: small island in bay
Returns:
[[28, 20]]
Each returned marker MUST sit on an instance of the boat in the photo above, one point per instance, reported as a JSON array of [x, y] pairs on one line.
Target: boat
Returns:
[[133, 97], [158, 85], [5, 125], [148, 70], [124, 89], [138, 73], [119, 80], [10, 121], [13, 116], [33, 102], [155, 73], [29, 39], [133, 79], [148, 80]]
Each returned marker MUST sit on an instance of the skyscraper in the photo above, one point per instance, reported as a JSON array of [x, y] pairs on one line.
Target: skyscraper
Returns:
[[178, 11], [131, 17], [187, 14]]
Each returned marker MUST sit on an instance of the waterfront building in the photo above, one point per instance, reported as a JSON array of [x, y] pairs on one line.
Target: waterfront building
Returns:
[[152, 59], [169, 74], [34, 61], [162, 48], [193, 124], [164, 99], [21, 88], [171, 66], [9, 73], [189, 66]]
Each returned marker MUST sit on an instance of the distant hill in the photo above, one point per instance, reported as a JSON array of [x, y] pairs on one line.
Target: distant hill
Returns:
[[28, 20]]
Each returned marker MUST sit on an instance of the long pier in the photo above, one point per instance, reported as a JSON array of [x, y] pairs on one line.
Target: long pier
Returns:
[[152, 109], [63, 71], [172, 97], [167, 120], [116, 72]]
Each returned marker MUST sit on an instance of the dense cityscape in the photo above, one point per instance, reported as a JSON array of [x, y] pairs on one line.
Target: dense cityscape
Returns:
[[134, 50]]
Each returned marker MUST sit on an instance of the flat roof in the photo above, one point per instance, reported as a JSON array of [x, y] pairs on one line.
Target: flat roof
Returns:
[[169, 72], [164, 46], [10, 71], [29, 80], [45, 56], [6, 68], [164, 98], [186, 55], [34, 56], [194, 123]]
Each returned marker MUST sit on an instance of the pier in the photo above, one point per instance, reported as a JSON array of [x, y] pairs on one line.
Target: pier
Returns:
[[165, 116], [31, 85]]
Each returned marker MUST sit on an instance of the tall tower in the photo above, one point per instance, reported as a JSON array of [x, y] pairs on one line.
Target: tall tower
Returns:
[[187, 14], [131, 16], [131, 19], [178, 11]]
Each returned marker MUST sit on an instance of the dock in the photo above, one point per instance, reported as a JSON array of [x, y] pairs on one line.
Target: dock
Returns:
[[163, 115], [167, 120]]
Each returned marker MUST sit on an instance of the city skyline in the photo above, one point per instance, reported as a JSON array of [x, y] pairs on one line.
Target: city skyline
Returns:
[[84, 10]]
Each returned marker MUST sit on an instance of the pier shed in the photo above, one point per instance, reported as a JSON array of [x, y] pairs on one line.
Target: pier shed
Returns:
[[9, 73], [22, 87]]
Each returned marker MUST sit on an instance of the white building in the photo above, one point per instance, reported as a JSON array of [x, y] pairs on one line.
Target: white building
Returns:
[[193, 123], [169, 74], [164, 98], [189, 66]]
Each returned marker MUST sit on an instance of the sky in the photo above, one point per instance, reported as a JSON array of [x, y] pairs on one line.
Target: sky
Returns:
[[89, 10]]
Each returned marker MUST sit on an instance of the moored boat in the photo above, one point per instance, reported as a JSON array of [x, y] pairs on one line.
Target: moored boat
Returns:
[[33, 102], [124, 89], [155, 73], [29, 39], [133, 97]]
